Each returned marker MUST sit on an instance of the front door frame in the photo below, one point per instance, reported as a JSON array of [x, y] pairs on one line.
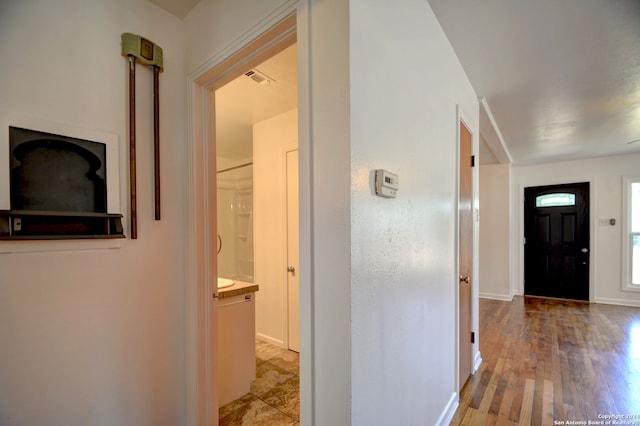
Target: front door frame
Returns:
[[519, 235], [583, 193]]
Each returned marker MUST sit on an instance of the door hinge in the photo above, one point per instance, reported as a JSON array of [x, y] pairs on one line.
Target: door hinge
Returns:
[[473, 161], [473, 337]]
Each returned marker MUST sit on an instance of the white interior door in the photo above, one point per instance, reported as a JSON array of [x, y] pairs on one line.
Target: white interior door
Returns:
[[293, 262]]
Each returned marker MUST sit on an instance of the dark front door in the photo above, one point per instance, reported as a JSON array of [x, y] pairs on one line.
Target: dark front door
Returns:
[[556, 253]]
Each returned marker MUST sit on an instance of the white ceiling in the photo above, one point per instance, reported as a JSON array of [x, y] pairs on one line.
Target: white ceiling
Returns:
[[558, 79], [243, 102], [561, 77]]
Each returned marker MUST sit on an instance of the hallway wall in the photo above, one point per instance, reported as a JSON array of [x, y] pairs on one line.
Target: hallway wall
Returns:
[[96, 336], [496, 255], [406, 86]]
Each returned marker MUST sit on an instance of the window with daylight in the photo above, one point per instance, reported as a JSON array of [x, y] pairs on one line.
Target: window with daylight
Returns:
[[556, 200], [631, 235]]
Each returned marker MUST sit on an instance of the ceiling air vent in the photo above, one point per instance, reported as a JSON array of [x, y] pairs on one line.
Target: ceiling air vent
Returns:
[[259, 77]]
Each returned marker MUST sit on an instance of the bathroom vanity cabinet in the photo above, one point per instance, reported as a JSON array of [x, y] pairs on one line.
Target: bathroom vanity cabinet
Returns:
[[236, 341]]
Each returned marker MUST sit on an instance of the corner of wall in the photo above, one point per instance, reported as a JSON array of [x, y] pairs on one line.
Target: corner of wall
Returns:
[[449, 411]]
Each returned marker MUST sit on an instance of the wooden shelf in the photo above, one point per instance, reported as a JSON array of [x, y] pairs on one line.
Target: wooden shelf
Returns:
[[52, 225]]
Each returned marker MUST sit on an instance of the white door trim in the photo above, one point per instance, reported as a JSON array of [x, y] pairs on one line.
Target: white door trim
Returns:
[[463, 117], [262, 41]]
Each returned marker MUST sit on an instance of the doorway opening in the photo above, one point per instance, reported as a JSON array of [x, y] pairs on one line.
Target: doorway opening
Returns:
[[556, 253], [256, 138], [252, 49]]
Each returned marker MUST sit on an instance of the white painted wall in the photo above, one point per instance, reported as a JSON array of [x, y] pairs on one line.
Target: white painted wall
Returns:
[[495, 222], [405, 84], [325, 172], [96, 337], [271, 139], [606, 177], [232, 19]]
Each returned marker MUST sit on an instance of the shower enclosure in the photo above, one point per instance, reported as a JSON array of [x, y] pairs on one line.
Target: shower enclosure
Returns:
[[235, 222]]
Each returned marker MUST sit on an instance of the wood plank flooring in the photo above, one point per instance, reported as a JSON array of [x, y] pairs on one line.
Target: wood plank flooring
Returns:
[[547, 361]]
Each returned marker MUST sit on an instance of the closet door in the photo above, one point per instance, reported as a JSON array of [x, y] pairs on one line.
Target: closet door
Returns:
[[293, 259]]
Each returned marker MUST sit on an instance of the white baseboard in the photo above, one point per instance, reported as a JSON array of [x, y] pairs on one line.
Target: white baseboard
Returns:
[[603, 300], [493, 296], [477, 360], [620, 302], [269, 339], [449, 411]]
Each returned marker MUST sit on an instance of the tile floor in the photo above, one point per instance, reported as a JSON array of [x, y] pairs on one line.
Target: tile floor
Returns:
[[275, 396]]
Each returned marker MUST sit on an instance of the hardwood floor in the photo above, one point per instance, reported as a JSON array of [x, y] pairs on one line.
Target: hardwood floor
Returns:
[[547, 361]]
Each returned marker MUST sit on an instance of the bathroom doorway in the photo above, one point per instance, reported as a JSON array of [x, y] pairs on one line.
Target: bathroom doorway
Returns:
[[256, 137]]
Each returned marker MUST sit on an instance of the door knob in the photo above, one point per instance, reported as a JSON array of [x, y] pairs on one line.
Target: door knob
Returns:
[[291, 269], [464, 279], [584, 250]]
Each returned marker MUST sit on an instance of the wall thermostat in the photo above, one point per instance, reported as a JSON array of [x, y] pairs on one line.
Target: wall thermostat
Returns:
[[386, 184]]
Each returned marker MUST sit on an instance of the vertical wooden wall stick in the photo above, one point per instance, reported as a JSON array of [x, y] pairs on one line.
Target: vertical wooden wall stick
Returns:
[[132, 146], [156, 135], [140, 49]]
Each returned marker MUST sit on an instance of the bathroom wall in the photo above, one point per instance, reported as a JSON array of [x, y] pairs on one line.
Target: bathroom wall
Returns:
[[272, 138], [96, 336]]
